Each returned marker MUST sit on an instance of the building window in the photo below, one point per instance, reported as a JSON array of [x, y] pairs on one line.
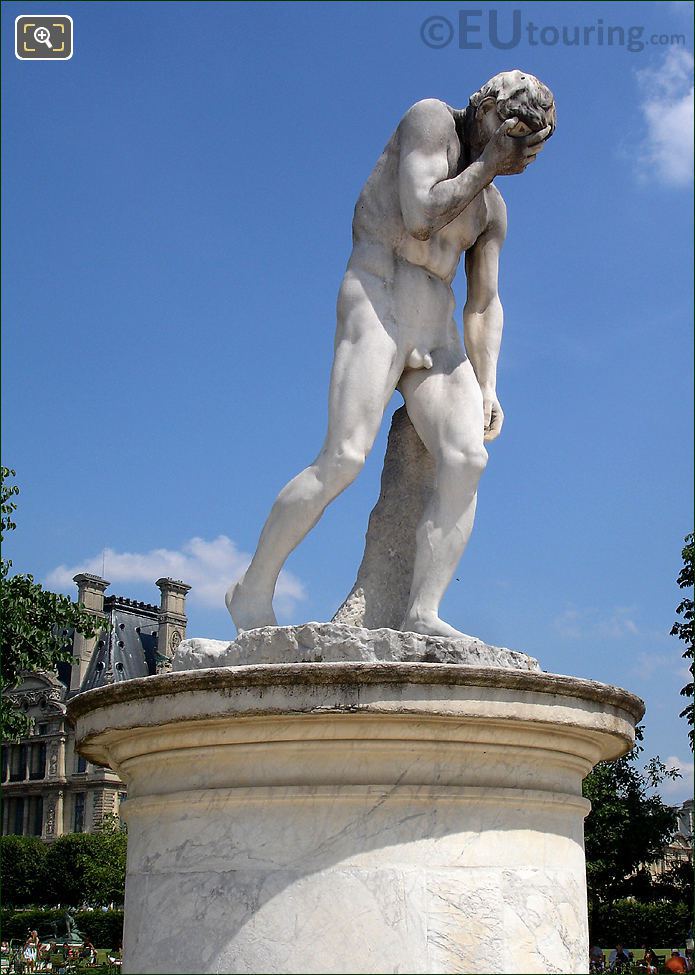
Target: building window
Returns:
[[42, 729], [17, 809], [35, 816], [15, 815], [37, 761], [81, 764], [78, 818], [7, 816], [5, 763], [18, 763]]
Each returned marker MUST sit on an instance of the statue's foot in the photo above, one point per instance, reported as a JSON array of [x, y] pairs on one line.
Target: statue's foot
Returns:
[[248, 609], [429, 624]]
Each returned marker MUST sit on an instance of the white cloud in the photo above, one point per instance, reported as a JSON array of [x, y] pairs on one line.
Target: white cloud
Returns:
[[570, 624], [618, 624], [649, 663], [667, 149], [209, 567], [575, 624], [673, 789]]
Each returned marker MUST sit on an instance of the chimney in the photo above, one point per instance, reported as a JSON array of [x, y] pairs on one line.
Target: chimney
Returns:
[[90, 593], [172, 620]]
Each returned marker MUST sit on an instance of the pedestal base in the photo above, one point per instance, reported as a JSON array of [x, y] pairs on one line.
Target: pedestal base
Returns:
[[365, 817]]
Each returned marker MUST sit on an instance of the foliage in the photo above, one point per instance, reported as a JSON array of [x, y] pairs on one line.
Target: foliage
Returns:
[[103, 928], [626, 827], [75, 869], [22, 867], [111, 823], [34, 622], [15, 924], [86, 867], [684, 629], [675, 884], [630, 922]]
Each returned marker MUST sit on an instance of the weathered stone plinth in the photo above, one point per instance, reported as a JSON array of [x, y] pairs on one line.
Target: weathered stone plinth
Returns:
[[317, 643], [355, 817]]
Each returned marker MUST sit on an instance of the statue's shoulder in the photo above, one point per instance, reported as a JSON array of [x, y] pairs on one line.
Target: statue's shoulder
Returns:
[[429, 117]]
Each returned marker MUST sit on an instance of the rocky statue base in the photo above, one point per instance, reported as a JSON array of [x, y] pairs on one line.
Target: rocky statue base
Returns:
[[356, 816], [338, 643]]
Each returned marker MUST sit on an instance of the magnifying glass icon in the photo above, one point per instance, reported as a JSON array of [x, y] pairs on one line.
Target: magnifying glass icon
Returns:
[[42, 35]]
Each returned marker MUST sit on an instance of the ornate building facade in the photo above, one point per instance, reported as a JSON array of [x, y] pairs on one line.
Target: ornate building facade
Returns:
[[47, 788], [680, 847]]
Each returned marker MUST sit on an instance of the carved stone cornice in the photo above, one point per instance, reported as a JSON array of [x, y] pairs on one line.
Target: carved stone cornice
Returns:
[[33, 786], [35, 696]]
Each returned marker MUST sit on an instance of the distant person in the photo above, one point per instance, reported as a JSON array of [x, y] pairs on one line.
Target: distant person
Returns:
[[650, 963], [116, 956], [31, 947], [676, 963], [88, 952], [688, 959], [619, 959], [597, 960]]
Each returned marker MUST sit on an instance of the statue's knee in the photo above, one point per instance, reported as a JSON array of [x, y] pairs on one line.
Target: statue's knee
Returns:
[[343, 465], [470, 460], [478, 459]]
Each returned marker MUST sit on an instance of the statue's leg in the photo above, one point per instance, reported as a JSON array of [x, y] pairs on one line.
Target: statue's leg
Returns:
[[364, 376], [446, 407]]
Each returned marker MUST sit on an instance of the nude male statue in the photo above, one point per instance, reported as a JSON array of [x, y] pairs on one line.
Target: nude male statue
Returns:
[[429, 199]]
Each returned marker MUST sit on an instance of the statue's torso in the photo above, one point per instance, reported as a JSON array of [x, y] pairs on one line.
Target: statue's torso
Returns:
[[380, 238]]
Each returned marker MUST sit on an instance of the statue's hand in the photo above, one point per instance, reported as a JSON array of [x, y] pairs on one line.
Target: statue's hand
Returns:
[[507, 155], [494, 417]]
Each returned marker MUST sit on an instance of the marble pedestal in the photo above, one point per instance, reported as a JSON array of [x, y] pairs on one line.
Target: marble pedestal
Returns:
[[355, 817]]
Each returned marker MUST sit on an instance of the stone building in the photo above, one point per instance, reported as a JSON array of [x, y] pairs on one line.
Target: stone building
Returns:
[[680, 847], [47, 788], [685, 819]]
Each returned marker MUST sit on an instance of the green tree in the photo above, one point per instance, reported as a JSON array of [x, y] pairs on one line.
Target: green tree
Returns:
[[22, 870], [626, 828], [684, 629], [87, 867], [676, 884], [33, 621], [111, 823]]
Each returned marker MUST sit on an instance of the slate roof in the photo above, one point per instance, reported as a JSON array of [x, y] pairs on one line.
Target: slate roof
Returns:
[[128, 647]]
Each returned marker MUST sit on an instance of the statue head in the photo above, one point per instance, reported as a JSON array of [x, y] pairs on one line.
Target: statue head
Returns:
[[510, 94]]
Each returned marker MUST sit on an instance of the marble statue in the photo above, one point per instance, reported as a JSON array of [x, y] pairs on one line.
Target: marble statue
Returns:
[[72, 932], [429, 199]]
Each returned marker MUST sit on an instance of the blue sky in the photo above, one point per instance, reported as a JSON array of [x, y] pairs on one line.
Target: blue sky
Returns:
[[178, 201]]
